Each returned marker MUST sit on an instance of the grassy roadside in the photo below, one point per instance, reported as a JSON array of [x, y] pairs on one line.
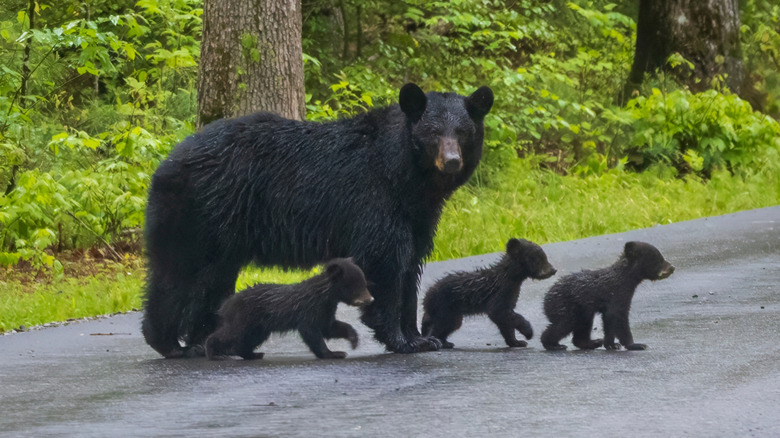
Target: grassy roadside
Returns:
[[520, 201], [546, 207]]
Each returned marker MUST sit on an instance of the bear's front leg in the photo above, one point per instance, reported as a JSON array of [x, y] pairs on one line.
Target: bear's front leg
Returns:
[[340, 329], [616, 325], [505, 322], [316, 342], [415, 342], [393, 318], [522, 325]]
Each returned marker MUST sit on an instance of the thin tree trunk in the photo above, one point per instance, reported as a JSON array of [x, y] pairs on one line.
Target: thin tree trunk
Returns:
[[705, 32], [26, 56], [359, 37], [251, 59], [345, 22]]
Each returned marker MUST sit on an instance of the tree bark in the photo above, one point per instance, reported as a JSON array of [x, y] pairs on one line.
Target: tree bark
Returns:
[[26, 57], [251, 59], [705, 32]]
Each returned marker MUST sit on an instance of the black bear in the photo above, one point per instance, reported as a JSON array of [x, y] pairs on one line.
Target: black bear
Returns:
[[492, 290], [573, 301], [273, 191], [249, 317]]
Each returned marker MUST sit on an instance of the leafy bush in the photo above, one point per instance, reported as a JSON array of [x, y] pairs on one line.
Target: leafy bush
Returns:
[[700, 132], [86, 114]]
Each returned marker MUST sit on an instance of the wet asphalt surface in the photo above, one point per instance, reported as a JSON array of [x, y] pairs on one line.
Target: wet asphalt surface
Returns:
[[712, 367]]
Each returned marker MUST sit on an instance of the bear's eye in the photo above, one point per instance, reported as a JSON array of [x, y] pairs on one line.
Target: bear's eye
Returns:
[[464, 131]]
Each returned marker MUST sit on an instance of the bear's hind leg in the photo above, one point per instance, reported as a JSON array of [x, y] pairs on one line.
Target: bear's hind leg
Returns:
[[249, 341], [553, 334], [444, 325], [159, 333], [215, 347], [583, 325], [215, 283]]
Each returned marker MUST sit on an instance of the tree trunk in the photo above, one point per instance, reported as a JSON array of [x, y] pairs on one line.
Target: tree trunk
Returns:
[[26, 57], [251, 59], [705, 32]]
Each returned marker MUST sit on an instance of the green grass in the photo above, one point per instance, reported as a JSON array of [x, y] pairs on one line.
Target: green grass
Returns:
[[117, 287], [542, 206], [520, 201], [33, 303]]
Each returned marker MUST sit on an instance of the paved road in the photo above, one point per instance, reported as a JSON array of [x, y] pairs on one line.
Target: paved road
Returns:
[[713, 367]]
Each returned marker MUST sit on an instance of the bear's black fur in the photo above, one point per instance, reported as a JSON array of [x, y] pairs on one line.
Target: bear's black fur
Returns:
[[281, 192], [249, 317], [572, 302], [492, 290]]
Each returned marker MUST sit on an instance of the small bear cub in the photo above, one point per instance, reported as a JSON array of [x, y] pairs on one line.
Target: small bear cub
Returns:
[[249, 317], [573, 301], [493, 290]]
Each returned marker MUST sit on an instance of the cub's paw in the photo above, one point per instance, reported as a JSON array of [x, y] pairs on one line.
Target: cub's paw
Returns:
[[612, 346], [252, 356], [334, 355], [596, 343], [447, 345], [526, 330], [637, 347], [517, 343], [556, 347], [421, 344], [352, 337], [194, 351]]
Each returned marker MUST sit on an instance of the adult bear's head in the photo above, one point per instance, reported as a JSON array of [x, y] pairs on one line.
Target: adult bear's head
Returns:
[[447, 128]]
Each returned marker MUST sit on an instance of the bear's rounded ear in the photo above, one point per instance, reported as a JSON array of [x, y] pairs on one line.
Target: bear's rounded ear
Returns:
[[480, 102], [413, 101], [334, 270], [630, 249], [512, 246]]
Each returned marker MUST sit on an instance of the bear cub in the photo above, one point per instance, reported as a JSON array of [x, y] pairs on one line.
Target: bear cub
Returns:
[[249, 317], [573, 301], [493, 290]]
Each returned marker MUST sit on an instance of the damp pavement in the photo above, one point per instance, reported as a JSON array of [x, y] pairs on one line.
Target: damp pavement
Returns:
[[712, 367]]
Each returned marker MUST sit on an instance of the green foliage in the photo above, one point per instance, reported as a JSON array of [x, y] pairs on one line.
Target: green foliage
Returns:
[[544, 206], [699, 132], [102, 95], [761, 47]]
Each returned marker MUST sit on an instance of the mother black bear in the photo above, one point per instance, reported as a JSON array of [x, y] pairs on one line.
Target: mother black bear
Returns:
[[273, 191]]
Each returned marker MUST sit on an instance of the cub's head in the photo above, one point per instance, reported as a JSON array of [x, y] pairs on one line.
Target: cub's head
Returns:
[[647, 260], [347, 280], [529, 257], [447, 129]]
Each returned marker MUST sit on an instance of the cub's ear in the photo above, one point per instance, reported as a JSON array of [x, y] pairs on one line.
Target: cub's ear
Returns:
[[630, 249], [334, 270], [412, 100], [480, 102], [513, 246]]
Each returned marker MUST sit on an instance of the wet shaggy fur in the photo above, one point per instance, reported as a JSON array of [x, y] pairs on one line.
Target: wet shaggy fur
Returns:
[[492, 291], [273, 191], [249, 317], [573, 301]]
